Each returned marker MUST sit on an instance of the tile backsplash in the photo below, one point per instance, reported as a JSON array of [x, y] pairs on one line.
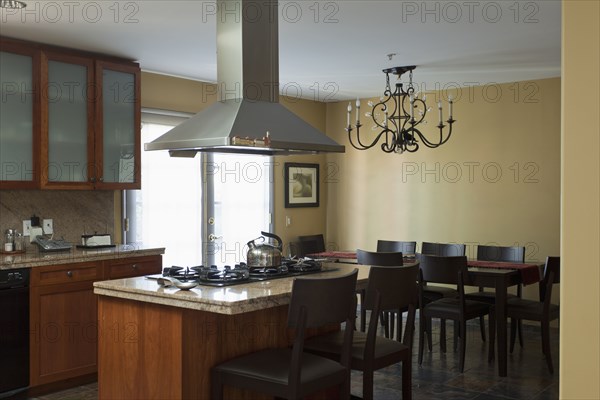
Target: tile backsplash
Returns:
[[72, 212]]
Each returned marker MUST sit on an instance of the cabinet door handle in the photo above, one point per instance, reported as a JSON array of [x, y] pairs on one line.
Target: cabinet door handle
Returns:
[[134, 266], [101, 179], [93, 180], [70, 274]]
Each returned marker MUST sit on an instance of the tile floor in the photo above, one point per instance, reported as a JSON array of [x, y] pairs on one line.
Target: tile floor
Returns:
[[439, 378]]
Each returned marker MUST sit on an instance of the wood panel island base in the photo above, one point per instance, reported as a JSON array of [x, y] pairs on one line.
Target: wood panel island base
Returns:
[[161, 343]]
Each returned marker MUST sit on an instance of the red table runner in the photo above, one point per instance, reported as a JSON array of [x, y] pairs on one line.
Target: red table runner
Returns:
[[530, 273]]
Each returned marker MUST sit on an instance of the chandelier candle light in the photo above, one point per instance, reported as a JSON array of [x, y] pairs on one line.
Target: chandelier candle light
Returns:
[[399, 125]]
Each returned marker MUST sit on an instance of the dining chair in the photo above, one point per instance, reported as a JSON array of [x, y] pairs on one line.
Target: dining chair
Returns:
[[543, 310], [513, 254], [443, 249], [451, 271], [310, 244], [292, 373], [388, 288], [398, 246], [382, 259], [379, 258], [436, 292]]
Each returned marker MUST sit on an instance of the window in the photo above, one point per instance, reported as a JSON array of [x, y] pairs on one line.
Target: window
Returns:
[[184, 200]]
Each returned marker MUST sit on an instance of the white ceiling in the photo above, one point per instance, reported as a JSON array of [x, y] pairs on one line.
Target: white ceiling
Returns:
[[335, 53]]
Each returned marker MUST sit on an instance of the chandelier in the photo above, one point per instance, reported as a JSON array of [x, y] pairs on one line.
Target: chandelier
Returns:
[[12, 4], [394, 116]]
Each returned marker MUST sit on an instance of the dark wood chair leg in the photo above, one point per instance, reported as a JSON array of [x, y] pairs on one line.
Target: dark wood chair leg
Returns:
[[520, 323], [399, 327], [367, 385], [429, 338], [513, 334], [345, 389], [520, 330], [422, 322], [463, 345], [391, 324], [384, 321], [443, 335], [363, 312], [482, 327], [546, 344], [456, 335], [406, 380]]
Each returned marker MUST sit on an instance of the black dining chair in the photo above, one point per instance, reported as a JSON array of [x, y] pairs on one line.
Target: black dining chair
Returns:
[[397, 246], [292, 373], [382, 259], [388, 288], [543, 310], [451, 271], [443, 249], [436, 292], [310, 244], [513, 254]]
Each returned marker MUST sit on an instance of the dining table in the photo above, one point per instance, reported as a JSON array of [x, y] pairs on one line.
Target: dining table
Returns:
[[488, 274]]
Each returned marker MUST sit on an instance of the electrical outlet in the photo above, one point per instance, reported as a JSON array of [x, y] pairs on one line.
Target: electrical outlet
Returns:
[[26, 227], [48, 227]]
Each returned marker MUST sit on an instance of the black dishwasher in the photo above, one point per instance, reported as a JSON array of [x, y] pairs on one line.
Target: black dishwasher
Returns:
[[14, 331]]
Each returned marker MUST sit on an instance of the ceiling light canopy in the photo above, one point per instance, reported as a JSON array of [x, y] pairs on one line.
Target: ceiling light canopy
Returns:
[[12, 4], [394, 114]]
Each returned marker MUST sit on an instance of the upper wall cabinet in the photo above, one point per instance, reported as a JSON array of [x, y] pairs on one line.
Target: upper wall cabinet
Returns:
[[85, 129], [67, 145], [118, 122], [19, 117]]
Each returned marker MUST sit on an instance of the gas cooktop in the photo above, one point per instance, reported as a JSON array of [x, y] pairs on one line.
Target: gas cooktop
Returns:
[[239, 273]]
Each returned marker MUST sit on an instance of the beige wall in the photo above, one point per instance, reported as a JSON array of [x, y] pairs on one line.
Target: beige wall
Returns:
[[580, 231], [170, 93], [497, 180]]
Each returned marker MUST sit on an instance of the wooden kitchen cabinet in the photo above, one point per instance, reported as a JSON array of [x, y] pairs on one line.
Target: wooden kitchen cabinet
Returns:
[[67, 139], [83, 129], [19, 116], [118, 124], [63, 322], [134, 266], [64, 316]]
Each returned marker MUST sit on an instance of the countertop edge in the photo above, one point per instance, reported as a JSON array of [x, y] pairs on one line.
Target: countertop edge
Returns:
[[214, 306], [39, 259]]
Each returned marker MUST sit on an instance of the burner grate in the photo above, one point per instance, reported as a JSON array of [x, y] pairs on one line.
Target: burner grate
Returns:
[[240, 273]]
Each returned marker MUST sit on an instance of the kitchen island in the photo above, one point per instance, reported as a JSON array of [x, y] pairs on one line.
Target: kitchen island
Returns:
[[161, 342]]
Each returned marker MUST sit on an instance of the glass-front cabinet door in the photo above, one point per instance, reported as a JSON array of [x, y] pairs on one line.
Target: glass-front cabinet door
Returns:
[[68, 119], [118, 126], [67, 155], [19, 117]]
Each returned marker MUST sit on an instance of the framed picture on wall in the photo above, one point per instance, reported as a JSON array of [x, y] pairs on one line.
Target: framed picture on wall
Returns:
[[301, 185]]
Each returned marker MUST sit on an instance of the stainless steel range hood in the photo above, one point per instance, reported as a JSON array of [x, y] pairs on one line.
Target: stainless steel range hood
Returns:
[[248, 117]]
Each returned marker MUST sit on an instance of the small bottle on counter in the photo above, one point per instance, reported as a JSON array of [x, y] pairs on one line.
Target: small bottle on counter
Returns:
[[19, 242], [9, 238]]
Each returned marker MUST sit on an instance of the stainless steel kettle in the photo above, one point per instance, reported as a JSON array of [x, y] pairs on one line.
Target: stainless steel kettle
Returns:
[[262, 254]]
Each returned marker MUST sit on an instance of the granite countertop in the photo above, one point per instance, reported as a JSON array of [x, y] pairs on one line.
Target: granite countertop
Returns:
[[35, 258], [234, 299]]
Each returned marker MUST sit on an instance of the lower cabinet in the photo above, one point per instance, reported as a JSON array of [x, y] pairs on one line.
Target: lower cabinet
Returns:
[[64, 316], [130, 267]]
